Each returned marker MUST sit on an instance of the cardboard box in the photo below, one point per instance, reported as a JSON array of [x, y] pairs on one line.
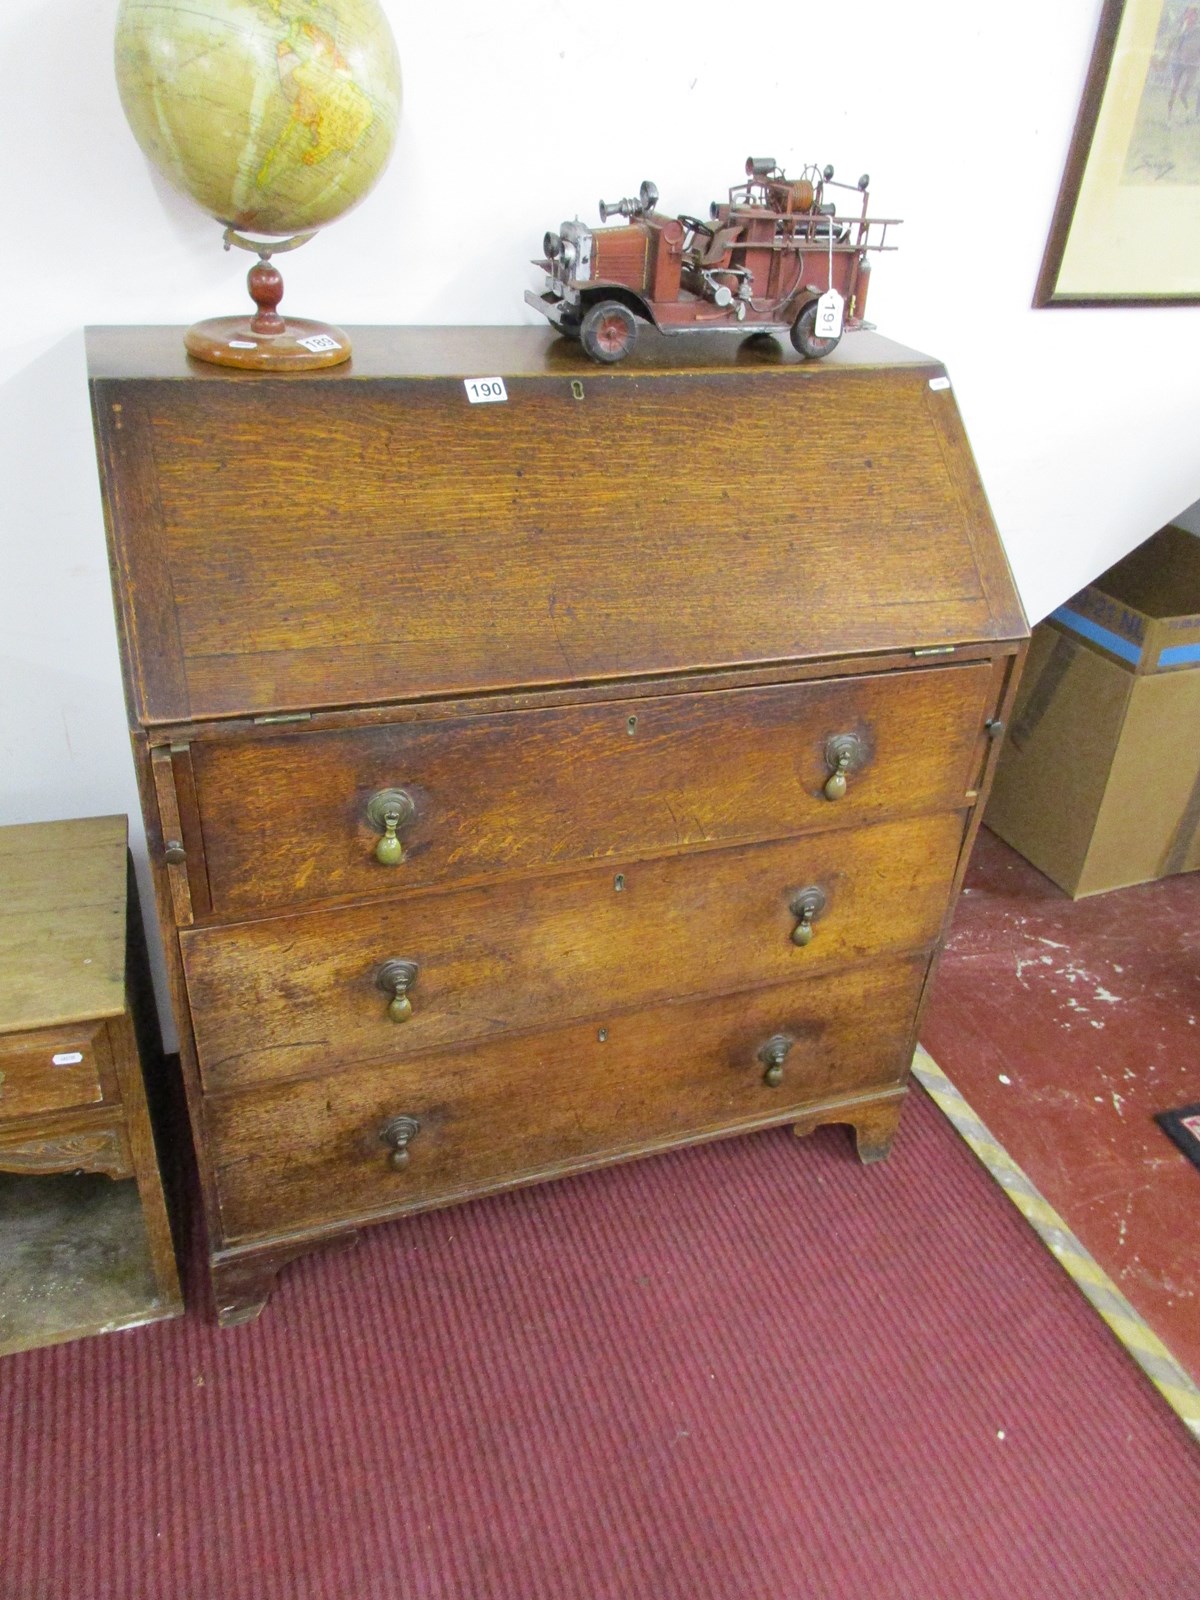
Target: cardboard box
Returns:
[[1099, 781]]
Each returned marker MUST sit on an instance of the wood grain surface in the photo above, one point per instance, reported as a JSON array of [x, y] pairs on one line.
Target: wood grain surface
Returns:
[[523, 1108], [81, 1140], [662, 522], [295, 995], [388, 351], [62, 922], [600, 633], [281, 819], [38, 1074]]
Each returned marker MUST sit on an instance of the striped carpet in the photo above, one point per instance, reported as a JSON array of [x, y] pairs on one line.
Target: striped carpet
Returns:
[[753, 1369]]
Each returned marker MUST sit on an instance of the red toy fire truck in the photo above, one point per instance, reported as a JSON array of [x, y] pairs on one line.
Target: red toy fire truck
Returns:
[[765, 262]]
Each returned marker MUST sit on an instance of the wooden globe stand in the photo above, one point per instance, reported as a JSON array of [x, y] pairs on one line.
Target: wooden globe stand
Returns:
[[267, 342]]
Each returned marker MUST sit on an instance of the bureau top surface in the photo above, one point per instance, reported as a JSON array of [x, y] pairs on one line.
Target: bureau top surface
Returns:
[[368, 535], [462, 352], [62, 922]]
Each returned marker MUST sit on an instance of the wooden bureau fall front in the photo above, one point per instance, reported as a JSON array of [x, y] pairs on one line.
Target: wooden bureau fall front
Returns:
[[540, 783]]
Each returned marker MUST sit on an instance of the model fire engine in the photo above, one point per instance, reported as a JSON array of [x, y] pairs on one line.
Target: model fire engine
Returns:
[[765, 262]]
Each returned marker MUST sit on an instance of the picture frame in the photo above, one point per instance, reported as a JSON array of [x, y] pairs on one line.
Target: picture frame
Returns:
[[1126, 227]]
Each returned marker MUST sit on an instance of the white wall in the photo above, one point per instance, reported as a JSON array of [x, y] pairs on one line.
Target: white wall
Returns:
[[1085, 423]]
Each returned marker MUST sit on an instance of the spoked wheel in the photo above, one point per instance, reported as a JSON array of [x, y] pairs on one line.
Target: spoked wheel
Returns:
[[804, 335], [609, 331]]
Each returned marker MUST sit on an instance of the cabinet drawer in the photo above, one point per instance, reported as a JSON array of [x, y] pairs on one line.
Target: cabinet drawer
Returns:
[[51, 1069], [297, 995], [284, 820], [512, 1110]]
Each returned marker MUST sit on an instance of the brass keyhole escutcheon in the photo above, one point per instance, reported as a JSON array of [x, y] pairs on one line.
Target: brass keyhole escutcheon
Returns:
[[399, 1133], [806, 906], [397, 978], [772, 1055], [844, 753], [388, 811]]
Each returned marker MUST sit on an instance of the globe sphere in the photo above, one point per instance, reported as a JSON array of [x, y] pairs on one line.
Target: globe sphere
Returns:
[[275, 116]]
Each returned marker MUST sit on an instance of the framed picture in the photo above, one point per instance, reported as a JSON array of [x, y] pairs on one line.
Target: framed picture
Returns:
[[1126, 228]]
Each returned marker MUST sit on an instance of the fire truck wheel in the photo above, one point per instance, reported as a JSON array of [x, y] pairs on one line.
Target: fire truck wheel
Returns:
[[805, 340], [609, 331]]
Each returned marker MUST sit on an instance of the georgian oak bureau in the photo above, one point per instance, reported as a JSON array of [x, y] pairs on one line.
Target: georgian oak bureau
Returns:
[[540, 783]]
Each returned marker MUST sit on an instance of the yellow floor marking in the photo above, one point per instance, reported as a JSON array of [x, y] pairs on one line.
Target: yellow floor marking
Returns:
[[1147, 1349]]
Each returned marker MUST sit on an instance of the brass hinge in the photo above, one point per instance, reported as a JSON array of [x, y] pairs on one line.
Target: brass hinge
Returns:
[[937, 650], [285, 716]]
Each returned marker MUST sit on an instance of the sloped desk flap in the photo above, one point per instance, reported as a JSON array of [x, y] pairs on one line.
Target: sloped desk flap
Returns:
[[369, 535]]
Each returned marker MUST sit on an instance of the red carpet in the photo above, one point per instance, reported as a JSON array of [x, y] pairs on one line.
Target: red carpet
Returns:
[[750, 1370]]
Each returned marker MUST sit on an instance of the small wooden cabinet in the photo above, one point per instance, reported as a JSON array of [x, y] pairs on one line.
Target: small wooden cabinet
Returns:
[[72, 1096], [537, 784]]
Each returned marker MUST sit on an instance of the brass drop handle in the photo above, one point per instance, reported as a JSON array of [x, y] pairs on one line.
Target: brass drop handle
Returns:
[[397, 978], [772, 1055], [388, 811], [399, 1133], [806, 905], [843, 753]]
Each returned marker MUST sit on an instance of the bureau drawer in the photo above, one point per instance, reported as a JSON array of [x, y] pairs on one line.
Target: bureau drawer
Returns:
[[512, 1110], [51, 1069], [284, 817], [296, 995]]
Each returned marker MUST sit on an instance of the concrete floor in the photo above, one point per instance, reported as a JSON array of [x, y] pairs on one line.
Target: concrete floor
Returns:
[[74, 1259], [1066, 1025]]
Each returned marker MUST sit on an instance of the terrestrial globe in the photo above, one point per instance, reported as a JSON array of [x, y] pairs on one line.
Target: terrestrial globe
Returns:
[[275, 116]]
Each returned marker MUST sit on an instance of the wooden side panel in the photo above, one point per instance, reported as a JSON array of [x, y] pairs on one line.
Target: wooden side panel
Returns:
[[520, 1109], [172, 834], [285, 815], [180, 1004], [406, 543], [152, 653], [144, 1159], [994, 572], [296, 995]]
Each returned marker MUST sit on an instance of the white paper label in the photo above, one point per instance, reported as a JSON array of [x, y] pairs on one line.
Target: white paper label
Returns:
[[316, 342], [242, 344], [829, 315], [939, 383], [483, 391], [67, 1058]]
